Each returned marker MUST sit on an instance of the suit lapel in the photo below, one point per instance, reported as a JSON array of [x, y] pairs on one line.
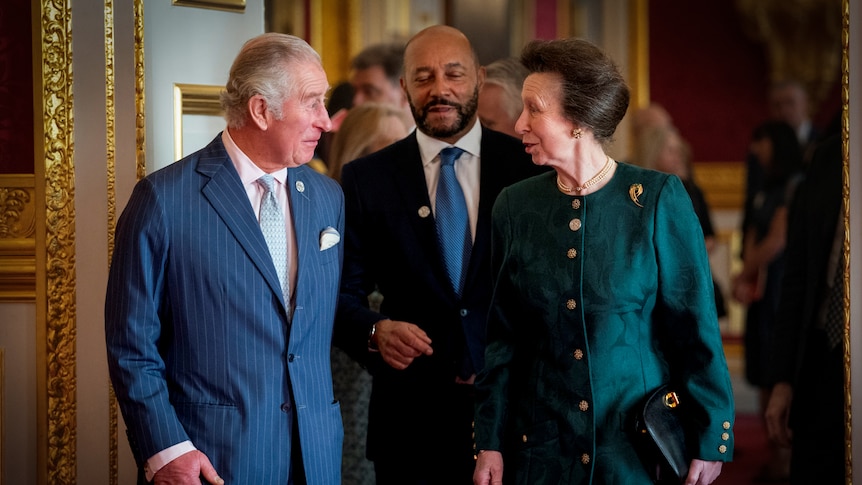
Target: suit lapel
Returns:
[[224, 191]]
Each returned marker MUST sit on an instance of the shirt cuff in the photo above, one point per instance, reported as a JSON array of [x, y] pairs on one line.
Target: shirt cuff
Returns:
[[162, 458]]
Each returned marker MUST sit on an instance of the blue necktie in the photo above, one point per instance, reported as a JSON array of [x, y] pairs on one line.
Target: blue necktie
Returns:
[[453, 230], [272, 226]]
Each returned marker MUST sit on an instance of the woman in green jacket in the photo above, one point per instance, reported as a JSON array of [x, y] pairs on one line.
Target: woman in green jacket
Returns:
[[603, 293]]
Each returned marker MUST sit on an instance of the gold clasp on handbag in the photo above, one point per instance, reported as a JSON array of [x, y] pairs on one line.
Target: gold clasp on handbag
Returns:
[[671, 400]]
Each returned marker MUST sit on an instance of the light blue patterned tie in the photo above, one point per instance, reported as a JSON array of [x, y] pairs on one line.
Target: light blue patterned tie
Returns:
[[272, 226], [453, 230]]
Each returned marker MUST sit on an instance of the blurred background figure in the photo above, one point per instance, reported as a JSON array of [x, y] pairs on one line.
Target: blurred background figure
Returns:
[[500, 97], [375, 76], [660, 147], [340, 100], [366, 129], [650, 116], [806, 407], [788, 102], [775, 148]]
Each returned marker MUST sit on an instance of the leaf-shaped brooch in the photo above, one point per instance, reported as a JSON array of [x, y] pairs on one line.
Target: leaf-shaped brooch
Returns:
[[634, 192]]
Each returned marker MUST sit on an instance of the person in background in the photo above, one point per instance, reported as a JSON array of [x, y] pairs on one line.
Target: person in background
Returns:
[[806, 407], [222, 290], [776, 150], [648, 117], [408, 236], [660, 147], [366, 129], [339, 102], [500, 96], [600, 296], [375, 74]]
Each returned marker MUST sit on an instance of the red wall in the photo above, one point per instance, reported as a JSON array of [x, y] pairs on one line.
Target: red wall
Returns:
[[16, 88], [712, 77]]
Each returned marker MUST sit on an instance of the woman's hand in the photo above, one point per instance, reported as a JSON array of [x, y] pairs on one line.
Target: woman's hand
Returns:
[[489, 468], [702, 472]]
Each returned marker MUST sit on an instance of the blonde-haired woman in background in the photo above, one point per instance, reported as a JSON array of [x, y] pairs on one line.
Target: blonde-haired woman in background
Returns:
[[366, 129]]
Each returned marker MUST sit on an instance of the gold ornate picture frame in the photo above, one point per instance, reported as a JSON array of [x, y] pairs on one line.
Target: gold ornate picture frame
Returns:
[[193, 99], [237, 6]]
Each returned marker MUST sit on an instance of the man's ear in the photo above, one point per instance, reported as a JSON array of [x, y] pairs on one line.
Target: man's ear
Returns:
[[258, 111]]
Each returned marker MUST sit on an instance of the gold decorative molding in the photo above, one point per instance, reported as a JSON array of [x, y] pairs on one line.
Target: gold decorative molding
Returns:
[[237, 6], [17, 237], [111, 159], [845, 191], [193, 99], [55, 235], [722, 183]]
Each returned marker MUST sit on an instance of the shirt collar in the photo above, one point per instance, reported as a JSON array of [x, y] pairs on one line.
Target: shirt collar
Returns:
[[247, 170], [430, 147]]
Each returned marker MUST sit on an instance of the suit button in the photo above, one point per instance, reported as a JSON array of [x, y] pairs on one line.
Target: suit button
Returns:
[[571, 304], [575, 224], [576, 204], [285, 407], [725, 436], [722, 449], [290, 357], [578, 354], [585, 458], [583, 406], [572, 253], [463, 312]]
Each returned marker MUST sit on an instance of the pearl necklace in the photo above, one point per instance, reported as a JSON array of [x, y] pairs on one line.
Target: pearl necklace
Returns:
[[589, 183]]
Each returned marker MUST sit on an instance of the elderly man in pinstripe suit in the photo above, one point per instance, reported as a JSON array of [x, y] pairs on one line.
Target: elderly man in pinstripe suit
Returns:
[[218, 341]]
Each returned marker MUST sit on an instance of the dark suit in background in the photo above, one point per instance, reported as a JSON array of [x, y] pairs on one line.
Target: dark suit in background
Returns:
[[807, 369]]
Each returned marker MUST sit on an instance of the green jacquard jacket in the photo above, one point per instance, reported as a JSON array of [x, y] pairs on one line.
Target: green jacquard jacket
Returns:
[[598, 300]]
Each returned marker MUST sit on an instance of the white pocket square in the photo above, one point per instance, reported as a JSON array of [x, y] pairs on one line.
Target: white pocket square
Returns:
[[329, 237]]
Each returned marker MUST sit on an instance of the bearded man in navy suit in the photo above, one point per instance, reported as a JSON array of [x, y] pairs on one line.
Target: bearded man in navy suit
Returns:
[[218, 346], [425, 346]]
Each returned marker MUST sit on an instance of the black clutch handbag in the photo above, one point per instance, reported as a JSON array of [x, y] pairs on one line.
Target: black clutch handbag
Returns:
[[660, 436]]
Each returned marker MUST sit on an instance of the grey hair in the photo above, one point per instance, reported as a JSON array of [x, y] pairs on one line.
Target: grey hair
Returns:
[[508, 73], [263, 67]]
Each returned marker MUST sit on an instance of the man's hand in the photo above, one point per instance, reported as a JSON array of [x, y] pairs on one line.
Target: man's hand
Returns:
[[489, 468], [187, 469], [703, 472], [401, 342], [778, 414]]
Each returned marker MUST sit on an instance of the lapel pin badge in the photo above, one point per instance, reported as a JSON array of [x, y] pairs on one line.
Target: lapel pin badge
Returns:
[[300, 186], [635, 191]]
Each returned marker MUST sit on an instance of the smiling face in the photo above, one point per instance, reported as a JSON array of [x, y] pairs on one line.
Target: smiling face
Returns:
[[545, 131], [293, 138], [442, 81]]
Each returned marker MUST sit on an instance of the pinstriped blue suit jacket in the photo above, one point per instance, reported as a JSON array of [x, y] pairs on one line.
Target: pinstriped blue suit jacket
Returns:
[[198, 338]]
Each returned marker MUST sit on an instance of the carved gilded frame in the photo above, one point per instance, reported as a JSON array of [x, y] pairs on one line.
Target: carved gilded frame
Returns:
[[55, 243], [193, 99], [237, 6]]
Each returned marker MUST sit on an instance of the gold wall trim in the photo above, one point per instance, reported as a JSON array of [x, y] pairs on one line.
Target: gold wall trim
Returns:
[[17, 238], [55, 236], [845, 190], [193, 99], [111, 160], [722, 183], [140, 118]]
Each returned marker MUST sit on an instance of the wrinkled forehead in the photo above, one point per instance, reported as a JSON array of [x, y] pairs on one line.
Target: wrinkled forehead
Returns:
[[438, 50]]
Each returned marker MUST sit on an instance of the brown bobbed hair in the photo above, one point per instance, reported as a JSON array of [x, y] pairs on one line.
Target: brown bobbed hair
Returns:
[[594, 92]]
